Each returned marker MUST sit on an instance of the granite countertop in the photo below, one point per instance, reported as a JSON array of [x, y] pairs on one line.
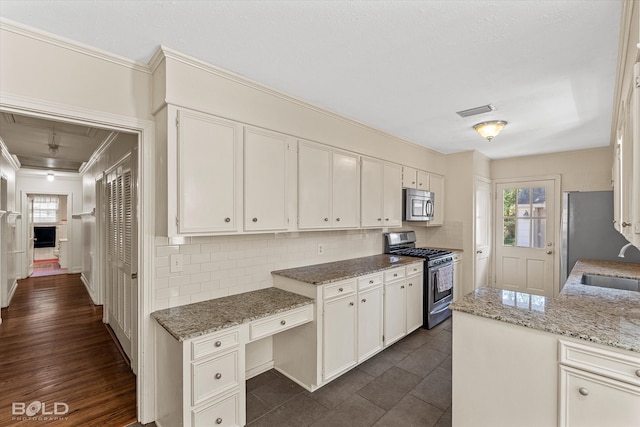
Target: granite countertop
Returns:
[[192, 320], [591, 313], [321, 274]]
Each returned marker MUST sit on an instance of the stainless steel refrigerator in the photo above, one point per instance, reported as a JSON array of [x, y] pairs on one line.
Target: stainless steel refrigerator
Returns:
[[587, 230]]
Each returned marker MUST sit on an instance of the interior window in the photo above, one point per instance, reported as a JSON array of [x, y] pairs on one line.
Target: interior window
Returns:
[[45, 208]]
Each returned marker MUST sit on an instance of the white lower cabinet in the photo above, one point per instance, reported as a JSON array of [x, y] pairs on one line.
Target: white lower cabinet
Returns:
[[598, 387], [340, 342], [352, 317]]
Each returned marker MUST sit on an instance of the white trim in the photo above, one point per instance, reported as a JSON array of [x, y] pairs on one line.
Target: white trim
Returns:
[[145, 381], [165, 52], [98, 153], [65, 43], [13, 161]]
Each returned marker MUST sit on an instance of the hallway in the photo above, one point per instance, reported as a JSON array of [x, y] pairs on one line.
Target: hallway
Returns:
[[56, 352]]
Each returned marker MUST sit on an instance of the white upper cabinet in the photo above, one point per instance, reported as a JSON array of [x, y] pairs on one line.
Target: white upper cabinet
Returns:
[[423, 180], [266, 180], [436, 186], [381, 193], [208, 157], [328, 191], [409, 177]]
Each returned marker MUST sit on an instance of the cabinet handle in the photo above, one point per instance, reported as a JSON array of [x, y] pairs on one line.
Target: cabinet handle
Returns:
[[338, 219], [326, 220], [583, 391], [340, 289], [255, 220], [638, 373], [218, 375], [350, 304], [283, 322], [219, 421], [218, 344], [227, 219], [364, 300]]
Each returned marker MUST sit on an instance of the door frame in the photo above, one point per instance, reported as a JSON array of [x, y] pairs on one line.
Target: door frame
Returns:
[[145, 129], [491, 184], [557, 217]]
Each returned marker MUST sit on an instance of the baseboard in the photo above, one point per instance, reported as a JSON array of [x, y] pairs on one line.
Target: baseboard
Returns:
[[120, 349], [304, 386], [87, 286], [12, 290], [257, 370]]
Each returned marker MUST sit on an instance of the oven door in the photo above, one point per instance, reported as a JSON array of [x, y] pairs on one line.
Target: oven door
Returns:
[[440, 294]]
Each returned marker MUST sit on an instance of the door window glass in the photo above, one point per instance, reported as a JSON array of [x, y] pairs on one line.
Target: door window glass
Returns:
[[524, 217]]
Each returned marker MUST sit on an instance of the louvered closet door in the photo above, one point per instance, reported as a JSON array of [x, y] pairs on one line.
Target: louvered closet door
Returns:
[[120, 285]]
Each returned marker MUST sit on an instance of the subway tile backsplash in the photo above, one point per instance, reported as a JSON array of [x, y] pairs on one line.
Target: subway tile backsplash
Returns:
[[218, 266]]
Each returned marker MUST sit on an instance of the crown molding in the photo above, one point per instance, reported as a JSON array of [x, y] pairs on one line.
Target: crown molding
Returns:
[[165, 52], [98, 153], [65, 43], [13, 161]]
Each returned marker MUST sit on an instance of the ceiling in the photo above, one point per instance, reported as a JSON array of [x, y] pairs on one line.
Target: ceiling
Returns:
[[404, 67]]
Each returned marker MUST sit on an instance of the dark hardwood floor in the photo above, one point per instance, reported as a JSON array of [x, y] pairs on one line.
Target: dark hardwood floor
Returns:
[[55, 348]]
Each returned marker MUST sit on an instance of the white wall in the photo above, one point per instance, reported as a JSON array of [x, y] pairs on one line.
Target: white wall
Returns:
[[31, 181]]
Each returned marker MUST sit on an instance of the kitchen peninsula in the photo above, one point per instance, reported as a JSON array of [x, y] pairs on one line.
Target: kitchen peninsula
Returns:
[[528, 360]]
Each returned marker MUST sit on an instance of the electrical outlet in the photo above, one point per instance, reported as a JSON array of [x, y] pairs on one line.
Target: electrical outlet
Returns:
[[320, 249], [176, 263]]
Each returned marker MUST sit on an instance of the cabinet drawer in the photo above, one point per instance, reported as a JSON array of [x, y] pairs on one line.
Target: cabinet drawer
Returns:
[[602, 362], [213, 376], [280, 322], [369, 281], [214, 344], [224, 413], [394, 274], [414, 269], [339, 289]]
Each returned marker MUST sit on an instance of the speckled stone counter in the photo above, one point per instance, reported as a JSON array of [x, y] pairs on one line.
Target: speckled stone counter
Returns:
[[192, 320], [321, 274], [600, 315]]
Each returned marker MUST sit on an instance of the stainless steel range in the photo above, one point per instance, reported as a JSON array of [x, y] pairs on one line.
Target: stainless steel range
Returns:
[[438, 274]]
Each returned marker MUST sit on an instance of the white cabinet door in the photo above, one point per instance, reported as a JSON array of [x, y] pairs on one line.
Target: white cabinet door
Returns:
[[415, 300], [436, 186], [345, 190], [457, 271], [265, 180], [209, 163], [370, 316], [409, 177], [392, 195], [371, 192], [588, 400], [339, 336], [394, 311], [422, 180], [314, 185]]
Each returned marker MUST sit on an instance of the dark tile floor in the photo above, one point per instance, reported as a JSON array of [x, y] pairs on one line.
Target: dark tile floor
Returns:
[[408, 384]]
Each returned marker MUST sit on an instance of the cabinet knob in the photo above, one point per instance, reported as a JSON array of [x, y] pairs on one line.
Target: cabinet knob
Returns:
[[340, 289], [326, 220], [227, 219], [371, 282], [255, 220], [395, 274], [583, 391], [402, 287], [218, 375], [479, 251], [386, 219], [283, 322], [218, 343], [364, 300], [379, 219], [638, 373], [338, 219], [219, 421], [410, 284], [350, 303]]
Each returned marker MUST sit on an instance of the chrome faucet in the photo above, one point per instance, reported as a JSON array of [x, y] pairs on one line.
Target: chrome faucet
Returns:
[[624, 249]]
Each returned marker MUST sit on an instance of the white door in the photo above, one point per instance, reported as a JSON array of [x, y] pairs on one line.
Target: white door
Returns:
[[30, 237], [265, 180], [482, 234], [525, 236], [121, 265]]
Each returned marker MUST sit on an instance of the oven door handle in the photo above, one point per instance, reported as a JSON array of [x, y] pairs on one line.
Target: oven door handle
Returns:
[[440, 310]]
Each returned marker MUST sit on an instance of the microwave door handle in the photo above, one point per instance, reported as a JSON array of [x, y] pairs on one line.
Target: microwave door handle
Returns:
[[429, 208]]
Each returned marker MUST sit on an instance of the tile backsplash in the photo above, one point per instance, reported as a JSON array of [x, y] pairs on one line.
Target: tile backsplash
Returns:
[[217, 266]]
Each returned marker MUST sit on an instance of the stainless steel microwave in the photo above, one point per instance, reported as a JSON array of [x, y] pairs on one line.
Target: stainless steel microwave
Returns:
[[418, 205]]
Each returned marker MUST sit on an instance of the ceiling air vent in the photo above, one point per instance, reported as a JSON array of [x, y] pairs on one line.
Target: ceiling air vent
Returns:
[[478, 110]]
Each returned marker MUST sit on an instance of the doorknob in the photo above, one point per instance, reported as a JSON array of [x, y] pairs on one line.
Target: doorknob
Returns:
[[549, 252]]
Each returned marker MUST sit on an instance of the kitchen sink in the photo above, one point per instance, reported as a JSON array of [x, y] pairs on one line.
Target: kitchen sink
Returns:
[[611, 282]]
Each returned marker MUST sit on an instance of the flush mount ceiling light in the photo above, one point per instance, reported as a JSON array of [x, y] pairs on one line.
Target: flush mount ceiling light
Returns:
[[50, 176], [489, 130]]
